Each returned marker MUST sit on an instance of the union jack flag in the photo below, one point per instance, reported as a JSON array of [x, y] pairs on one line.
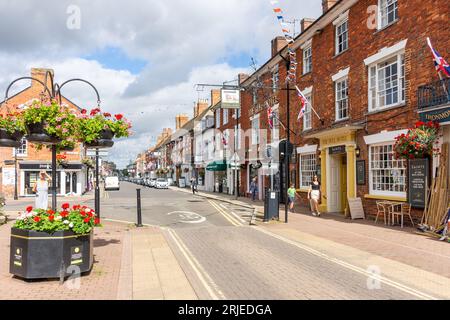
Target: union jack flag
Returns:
[[270, 116], [439, 62], [303, 102]]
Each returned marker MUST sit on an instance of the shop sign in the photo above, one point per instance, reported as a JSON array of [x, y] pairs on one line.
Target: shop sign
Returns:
[[441, 115], [337, 150], [361, 172], [272, 101], [231, 99], [9, 176], [418, 182]]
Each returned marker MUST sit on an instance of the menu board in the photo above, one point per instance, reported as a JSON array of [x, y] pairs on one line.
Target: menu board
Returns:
[[417, 182], [361, 172]]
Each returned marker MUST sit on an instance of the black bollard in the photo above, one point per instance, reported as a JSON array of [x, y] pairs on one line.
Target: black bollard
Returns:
[[139, 209]]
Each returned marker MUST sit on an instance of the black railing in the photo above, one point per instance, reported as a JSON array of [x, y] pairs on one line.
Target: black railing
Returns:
[[434, 94]]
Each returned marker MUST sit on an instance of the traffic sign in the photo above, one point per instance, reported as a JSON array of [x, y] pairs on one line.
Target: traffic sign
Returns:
[[101, 153]]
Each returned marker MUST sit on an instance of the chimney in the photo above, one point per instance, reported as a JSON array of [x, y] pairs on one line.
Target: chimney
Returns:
[[200, 106], [181, 120], [327, 4], [305, 23], [39, 74], [277, 44], [242, 77], [215, 97]]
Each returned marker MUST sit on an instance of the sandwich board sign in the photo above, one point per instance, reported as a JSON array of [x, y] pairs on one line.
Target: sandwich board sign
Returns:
[[356, 208]]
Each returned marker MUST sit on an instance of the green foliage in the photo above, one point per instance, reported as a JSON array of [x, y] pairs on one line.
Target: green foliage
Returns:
[[12, 122], [418, 142]]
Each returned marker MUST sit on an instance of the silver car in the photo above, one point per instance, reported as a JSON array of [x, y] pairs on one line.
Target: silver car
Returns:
[[162, 183]]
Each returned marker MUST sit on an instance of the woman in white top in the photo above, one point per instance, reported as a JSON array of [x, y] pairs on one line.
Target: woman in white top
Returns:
[[314, 196], [41, 189]]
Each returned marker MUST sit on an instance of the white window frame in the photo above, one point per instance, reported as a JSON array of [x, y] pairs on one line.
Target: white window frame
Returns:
[[371, 169], [21, 154], [307, 59], [275, 79], [218, 111], [337, 34], [382, 4], [225, 116], [255, 97], [307, 117], [275, 134], [374, 89], [255, 131], [312, 156], [337, 101]]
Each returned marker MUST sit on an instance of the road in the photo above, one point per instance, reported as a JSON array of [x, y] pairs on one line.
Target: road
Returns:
[[225, 258]]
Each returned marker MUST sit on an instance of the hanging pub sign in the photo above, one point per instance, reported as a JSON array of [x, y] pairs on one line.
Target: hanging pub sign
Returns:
[[231, 99], [418, 182]]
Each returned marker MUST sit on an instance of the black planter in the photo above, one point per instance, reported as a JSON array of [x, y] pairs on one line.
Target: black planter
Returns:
[[105, 140], [39, 255], [10, 139], [37, 134]]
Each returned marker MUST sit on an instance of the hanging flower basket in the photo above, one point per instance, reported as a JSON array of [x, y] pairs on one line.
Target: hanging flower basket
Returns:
[[12, 130], [98, 129], [419, 142], [36, 133]]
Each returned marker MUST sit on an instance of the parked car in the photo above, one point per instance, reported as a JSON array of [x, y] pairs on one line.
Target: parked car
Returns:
[[112, 183], [152, 183], [162, 183]]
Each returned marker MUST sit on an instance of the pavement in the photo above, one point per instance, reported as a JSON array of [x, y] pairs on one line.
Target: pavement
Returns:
[[203, 247]]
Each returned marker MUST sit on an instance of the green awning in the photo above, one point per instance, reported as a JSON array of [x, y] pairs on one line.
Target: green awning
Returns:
[[217, 166]]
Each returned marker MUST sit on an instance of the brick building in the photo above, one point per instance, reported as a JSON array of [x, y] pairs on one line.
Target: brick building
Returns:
[[30, 161], [361, 65]]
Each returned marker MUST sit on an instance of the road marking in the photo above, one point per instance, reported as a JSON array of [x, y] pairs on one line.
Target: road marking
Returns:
[[239, 218], [196, 266], [129, 222], [188, 215], [232, 220], [394, 284]]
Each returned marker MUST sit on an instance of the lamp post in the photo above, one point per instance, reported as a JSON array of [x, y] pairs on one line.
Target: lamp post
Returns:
[[53, 92]]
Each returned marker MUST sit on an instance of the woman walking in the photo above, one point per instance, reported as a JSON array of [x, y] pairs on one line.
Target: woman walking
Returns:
[[41, 190], [314, 196]]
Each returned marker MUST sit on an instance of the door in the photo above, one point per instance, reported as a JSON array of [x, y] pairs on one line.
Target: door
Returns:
[[74, 182], [334, 199]]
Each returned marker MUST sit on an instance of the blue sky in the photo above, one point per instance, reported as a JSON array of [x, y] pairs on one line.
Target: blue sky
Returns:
[[116, 59]]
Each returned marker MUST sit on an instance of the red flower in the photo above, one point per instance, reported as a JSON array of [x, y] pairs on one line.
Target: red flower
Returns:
[[65, 206], [83, 111], [76, 207], [50, 212], [87, 220], [419, 124], [118, 117], [29, 209], [107, 115], [90, 215], [37, 219], [83, 213], [51, 218], [97, 221], [64, 214]]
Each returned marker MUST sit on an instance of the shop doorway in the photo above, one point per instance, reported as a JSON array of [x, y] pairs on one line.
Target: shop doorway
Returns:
[[337, 195]]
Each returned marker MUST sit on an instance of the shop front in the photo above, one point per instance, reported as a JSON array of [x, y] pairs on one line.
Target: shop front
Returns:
[[335, 166], [70, 180], [219, 168]]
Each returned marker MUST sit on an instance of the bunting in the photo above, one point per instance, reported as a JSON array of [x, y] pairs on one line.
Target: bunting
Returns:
[[292, 72]]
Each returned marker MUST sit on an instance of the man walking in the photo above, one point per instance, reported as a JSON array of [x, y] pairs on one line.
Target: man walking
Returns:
[[193, 185], [253, 188]]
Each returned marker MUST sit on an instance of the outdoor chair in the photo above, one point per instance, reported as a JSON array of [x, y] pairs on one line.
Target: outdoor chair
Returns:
[[400, 211], [381, 209]]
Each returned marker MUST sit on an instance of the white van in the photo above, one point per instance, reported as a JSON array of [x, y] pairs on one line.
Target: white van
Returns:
[[112, 183]]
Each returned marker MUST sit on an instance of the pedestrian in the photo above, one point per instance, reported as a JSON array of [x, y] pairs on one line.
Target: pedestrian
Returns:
[[314, 196], [41, 190], [253, 188], [292, 193], [193, 185]]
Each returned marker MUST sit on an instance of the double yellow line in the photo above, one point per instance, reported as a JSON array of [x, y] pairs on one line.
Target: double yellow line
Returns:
[[233, 220]]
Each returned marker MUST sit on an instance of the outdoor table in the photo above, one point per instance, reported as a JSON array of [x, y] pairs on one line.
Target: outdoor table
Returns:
[[389, 207]]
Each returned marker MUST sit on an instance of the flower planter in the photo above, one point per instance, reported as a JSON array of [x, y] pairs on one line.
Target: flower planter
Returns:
[[105, 140], [10, 139], [37, 134], [39, 255]]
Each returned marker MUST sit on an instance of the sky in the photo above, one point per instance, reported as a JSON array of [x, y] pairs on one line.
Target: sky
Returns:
[[143, 56]]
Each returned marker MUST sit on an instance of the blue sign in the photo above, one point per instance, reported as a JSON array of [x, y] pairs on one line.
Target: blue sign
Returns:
[[441, 115]]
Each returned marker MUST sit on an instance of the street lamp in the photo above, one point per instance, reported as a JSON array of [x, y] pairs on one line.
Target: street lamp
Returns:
[[53, 92]]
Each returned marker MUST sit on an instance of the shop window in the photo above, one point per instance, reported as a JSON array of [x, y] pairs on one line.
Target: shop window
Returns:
[[387, 174], [307, 165]]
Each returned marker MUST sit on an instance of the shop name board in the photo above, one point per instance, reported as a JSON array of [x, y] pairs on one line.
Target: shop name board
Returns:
[[337, 150], [417, 182], [441, 116], [231, 99], [272, 101], [43, 166]]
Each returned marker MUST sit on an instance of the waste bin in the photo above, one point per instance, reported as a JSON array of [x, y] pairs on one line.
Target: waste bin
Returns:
[[271, 205]]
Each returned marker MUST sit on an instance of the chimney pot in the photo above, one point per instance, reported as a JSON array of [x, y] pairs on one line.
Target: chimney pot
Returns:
[[328, 4], [305, 23], [277, 44]]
